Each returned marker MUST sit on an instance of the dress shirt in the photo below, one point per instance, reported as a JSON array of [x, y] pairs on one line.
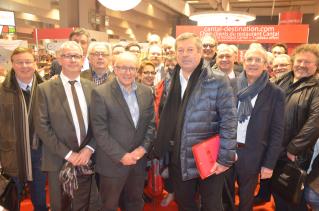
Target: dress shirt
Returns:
[[131, 100], [23, 85], [231, 75], [83, 105], [86, 64], [242, 127], [98, 80], [183, 82]]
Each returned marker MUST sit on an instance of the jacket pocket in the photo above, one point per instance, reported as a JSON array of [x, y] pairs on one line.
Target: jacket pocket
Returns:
[[8, 156]]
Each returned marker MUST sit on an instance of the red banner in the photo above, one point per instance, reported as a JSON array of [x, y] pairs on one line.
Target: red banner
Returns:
[[52, 33], [252, 33]]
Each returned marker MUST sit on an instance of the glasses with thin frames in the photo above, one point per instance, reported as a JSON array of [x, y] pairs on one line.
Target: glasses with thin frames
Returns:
[[124, 69], [71, 56]]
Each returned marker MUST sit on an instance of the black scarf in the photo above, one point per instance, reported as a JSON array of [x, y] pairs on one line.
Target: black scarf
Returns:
[[172, 116], [246, 93]]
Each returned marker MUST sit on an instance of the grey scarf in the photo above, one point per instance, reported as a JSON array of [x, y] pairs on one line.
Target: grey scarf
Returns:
[[246, 93]]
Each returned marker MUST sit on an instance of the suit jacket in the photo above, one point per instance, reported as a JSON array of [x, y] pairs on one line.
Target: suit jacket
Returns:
[[264, 132], [114, 130], [54, 123]]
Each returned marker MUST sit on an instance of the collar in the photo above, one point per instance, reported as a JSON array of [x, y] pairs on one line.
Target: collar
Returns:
[[23, 85], [65, 79], [96, 76], [133, 85], [231, 75]]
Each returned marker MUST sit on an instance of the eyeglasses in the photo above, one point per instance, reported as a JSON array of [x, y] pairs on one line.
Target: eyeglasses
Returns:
[[226, 56], [209, 45], [254, 59], [280, 65], [27, 62], [70, 56], [149, 72], [98, 54], [123, 69]]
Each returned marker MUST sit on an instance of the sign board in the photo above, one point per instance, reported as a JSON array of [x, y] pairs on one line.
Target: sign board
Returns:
[[7, 18], [297, 33]]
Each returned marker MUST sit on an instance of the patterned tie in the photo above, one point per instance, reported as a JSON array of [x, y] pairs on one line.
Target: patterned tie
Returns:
[[78, 111], [28, 89]]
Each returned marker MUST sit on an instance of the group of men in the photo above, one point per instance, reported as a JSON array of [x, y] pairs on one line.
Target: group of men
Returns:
[[109, 120]]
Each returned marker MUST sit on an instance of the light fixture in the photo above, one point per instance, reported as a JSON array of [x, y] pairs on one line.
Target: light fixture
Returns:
[[222, 18], [120, 5]]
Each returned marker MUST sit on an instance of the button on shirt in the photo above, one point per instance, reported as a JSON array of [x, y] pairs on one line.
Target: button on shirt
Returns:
[[82, 100], [131, 100], [242, 127]]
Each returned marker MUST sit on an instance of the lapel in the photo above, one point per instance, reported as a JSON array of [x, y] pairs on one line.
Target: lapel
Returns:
[[61, 96], [261, 100], [87, 91], [116, 91], [140, 102]]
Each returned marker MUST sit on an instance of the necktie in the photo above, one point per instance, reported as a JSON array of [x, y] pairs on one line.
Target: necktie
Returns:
[[28, 89], [78, 111]]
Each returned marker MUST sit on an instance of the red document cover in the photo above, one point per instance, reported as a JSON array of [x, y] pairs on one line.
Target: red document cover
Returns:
[[205, 155]]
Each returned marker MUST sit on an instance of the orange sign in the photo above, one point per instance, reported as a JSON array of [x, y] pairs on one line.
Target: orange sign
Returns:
[[252, 33]]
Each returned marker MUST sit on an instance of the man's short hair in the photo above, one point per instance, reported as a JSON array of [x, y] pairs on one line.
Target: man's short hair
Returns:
[[225, 46], [69, 44], [104, 44], [19, 50], [282, 45], [284, 56], [188, 36], [127, 48], [78, 32], [262, 51], [312, 48]]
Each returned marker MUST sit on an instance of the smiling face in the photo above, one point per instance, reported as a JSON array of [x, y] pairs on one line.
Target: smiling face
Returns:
[[71, 59], [24, 66], [225, 60], [125, 69], [148, 75], [209, 47], [188, 55], [99, 58], [304, 65], [254, 64]]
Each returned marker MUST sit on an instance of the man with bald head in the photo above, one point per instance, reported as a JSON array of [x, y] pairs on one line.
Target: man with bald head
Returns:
[[123, 125]]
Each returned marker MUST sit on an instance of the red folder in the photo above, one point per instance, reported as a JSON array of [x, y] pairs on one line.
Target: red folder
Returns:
[[205, 155]]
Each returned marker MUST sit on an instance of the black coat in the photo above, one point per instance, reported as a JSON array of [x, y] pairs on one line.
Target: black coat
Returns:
[[264, 131], [302, 116]]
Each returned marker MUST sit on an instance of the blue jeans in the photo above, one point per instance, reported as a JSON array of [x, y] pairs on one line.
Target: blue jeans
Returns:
[[312, 198], [37, 186]]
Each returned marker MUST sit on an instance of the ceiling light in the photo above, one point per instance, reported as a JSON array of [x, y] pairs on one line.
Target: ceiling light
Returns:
[[120, 5], [222, 18]]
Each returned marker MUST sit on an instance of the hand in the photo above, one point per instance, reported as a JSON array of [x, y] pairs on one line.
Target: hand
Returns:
[[74, 158], [291, 156], [265, 173], [138, 153], [128, 159], [218, 169], [84, 156]]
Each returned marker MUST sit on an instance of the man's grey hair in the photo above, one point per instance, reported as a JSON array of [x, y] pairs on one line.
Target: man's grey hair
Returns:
[[68, 45], [102, 44]]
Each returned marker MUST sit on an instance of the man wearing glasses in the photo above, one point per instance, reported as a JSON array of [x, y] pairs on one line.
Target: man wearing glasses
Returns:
[[123, 124], [99, 55], [62, 123], [209, 49]]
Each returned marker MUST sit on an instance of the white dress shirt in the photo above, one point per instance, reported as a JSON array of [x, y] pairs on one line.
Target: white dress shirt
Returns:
[[184, 82], [83, 105], [242, 127]]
